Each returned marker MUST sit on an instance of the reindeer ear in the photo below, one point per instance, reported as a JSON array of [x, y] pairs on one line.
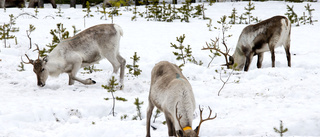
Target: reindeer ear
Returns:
[[31, 61], [180, 133], [45, 59], [196, 129]]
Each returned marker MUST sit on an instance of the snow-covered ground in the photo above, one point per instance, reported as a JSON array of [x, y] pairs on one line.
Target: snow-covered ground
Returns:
[[251, 107]]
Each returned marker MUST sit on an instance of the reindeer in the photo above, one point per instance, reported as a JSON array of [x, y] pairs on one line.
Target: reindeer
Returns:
[[259, 38], [84, 49], [169, 91]]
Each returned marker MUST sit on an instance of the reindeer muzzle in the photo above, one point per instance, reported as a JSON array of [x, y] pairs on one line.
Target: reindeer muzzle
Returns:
[[40, 84]]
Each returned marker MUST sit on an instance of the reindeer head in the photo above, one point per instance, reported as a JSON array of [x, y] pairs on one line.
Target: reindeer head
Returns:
[[39, 67], [187, 131]]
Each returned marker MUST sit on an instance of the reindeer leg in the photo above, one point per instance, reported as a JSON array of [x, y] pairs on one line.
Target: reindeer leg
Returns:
[[260, 59], [248, 61], [122, 62], [71, 81], [149, 114], [287, 49], [273, 58], [170, 124], [117, 61], [72, 76]]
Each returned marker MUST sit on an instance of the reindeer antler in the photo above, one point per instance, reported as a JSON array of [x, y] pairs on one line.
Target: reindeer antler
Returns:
[[215, 47], [30, 61], [179, 118], [202, 120], [38, 50]]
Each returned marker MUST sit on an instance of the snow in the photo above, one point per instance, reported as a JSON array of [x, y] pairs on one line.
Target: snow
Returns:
[[251, 107]]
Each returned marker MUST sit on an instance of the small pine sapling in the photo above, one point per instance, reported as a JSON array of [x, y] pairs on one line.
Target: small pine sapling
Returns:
[[134, 67], [292, 16], [111, 87], [156, 115], [36, 11], [59, 13], [87, 10], [242, 18], [249, 9], [180, 56], [31, 29], [281, 130], [21, 66], [185, 52], [104, 12], [211, 2], [134, 11], [125, 116], [309, 19], [214, 45], [98, 9], [90, 69], [75, 31], [138, 106], [303, 19], [5, 30], [185, 10], [58, 34], [199, 10], [233, 17], [209, 25], [115, 9]]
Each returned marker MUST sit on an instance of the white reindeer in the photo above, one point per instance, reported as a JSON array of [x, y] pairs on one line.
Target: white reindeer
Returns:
[[259, 38], [171, 93], [84, 49]]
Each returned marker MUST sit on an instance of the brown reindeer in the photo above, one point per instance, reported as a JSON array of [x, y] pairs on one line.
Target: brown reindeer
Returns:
[[259, 38]]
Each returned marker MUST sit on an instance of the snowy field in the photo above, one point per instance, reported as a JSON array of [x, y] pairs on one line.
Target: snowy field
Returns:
[[252, 107]]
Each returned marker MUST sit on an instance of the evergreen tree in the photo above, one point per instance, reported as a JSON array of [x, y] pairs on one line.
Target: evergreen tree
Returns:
[[185, 52], [59, 13], [115, 5], [233, 17], [6, 29], [249, 9], [91, 69], [138, 106], [156, 115], [75, 31], [214, 45], [111, 87], [87, 10], [21, 66], [281, 130], [31, 29], [180, 56], [309, 19], [36, 11], [185, 10], [104, 12], [58, 34], [242, 18], [134, 67], [292, 16]]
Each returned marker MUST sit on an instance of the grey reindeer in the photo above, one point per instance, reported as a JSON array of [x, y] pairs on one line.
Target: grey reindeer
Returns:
[[84, 49], [259, 38], [172, 93]]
